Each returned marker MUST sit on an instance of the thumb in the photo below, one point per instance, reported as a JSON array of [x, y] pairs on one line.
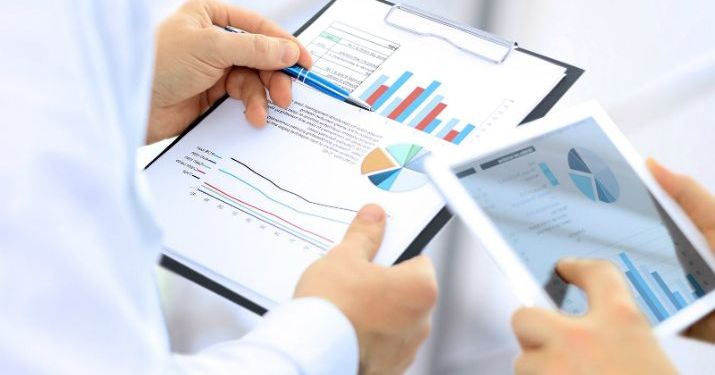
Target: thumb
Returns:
[[600, 279], [256, 51], [697, 202], [364, 235]]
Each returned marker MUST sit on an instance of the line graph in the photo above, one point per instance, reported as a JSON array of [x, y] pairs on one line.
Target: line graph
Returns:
[[266, 212], [288, 191], [279, 202], [264, 220], [246, 190]]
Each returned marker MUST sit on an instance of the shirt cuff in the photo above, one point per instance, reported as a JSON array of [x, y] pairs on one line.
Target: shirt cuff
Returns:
[[313, 332]]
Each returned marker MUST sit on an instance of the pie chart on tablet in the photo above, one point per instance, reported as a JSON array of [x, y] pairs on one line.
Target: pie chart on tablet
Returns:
[[592, 176], [396, 168]]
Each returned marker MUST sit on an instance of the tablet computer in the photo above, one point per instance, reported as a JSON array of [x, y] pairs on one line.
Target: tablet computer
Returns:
[[571, 185]]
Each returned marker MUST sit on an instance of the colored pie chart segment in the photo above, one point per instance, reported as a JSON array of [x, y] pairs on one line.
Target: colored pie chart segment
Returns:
[[592, 176], [396, 168]]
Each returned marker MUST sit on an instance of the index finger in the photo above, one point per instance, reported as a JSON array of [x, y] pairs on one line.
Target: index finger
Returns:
[[534, 327], [600, 279], [223, 14]]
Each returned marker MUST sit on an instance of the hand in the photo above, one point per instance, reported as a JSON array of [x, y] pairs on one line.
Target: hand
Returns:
[[699, 205], [389, 307], [197, 63], [612, 338]]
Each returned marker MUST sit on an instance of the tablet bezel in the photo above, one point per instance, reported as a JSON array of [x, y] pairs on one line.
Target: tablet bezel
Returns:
[[524, 284]]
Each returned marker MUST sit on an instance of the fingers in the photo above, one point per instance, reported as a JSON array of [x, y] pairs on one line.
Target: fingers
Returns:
[[245, 85], [534, 326], [279, 86], [364, 235], [251, 50], [600, 279], [223, 14], [697, 202], [416, 277]]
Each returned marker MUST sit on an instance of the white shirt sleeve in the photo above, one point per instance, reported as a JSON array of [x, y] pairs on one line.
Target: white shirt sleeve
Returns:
[[307, 336], [78, 246]]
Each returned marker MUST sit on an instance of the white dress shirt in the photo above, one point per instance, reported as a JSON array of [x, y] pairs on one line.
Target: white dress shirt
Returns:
[[78, 245]]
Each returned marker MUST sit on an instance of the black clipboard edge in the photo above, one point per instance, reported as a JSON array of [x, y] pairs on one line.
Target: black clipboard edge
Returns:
[[428, 232], [572, 75], [443, 216], [190, 274]]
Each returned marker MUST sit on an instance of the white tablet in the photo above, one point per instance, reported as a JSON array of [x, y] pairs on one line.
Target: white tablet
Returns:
[[572, 185]]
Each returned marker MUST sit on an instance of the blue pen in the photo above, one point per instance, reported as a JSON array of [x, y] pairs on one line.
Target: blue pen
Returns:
[[316, 81]]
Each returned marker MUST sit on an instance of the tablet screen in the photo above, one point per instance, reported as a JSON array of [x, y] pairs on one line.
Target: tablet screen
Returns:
[[571, 193]]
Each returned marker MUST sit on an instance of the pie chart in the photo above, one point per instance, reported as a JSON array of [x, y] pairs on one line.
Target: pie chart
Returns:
[[592, 176], [396, 168]]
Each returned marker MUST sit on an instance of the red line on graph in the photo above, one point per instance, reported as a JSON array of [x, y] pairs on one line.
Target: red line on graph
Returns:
[[406, 103], [451, 135], [431, 116], [200, 171], [377, 94], [267, 212]]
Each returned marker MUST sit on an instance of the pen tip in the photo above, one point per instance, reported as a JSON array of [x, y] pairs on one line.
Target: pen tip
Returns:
[[359, 103]]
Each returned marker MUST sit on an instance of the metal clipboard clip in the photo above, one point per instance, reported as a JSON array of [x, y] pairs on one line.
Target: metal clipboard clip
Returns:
[[484, 45]]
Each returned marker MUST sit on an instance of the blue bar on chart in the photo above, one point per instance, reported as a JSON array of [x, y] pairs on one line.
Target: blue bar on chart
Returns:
[[421, 109], [391, 90], [391, 107], [426, 110], [372, 88], [643, 289], [678, 304], [548, 174], [420, 99], [432, 126], [450, 125], [699, 292], [463, 134]]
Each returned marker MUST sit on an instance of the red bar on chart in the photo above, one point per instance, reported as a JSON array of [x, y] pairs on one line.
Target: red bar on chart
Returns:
[[405, 103], [377, 94], [431, 116], [451, 135]]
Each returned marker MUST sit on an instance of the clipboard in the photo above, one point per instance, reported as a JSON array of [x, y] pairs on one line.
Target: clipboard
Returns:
[[397, 13]]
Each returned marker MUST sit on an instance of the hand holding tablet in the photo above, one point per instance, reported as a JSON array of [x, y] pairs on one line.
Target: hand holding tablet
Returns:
[[572, 186]]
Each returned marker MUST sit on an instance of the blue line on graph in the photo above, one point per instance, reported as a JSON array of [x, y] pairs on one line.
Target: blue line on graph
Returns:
[[270, 221], [281, 203]]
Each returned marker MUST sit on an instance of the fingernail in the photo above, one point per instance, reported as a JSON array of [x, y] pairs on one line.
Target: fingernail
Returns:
[[290, 52], [371, 213]]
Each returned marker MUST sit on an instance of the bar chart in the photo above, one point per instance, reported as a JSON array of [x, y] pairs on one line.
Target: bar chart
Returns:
[[422, 108], [660, 298]]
